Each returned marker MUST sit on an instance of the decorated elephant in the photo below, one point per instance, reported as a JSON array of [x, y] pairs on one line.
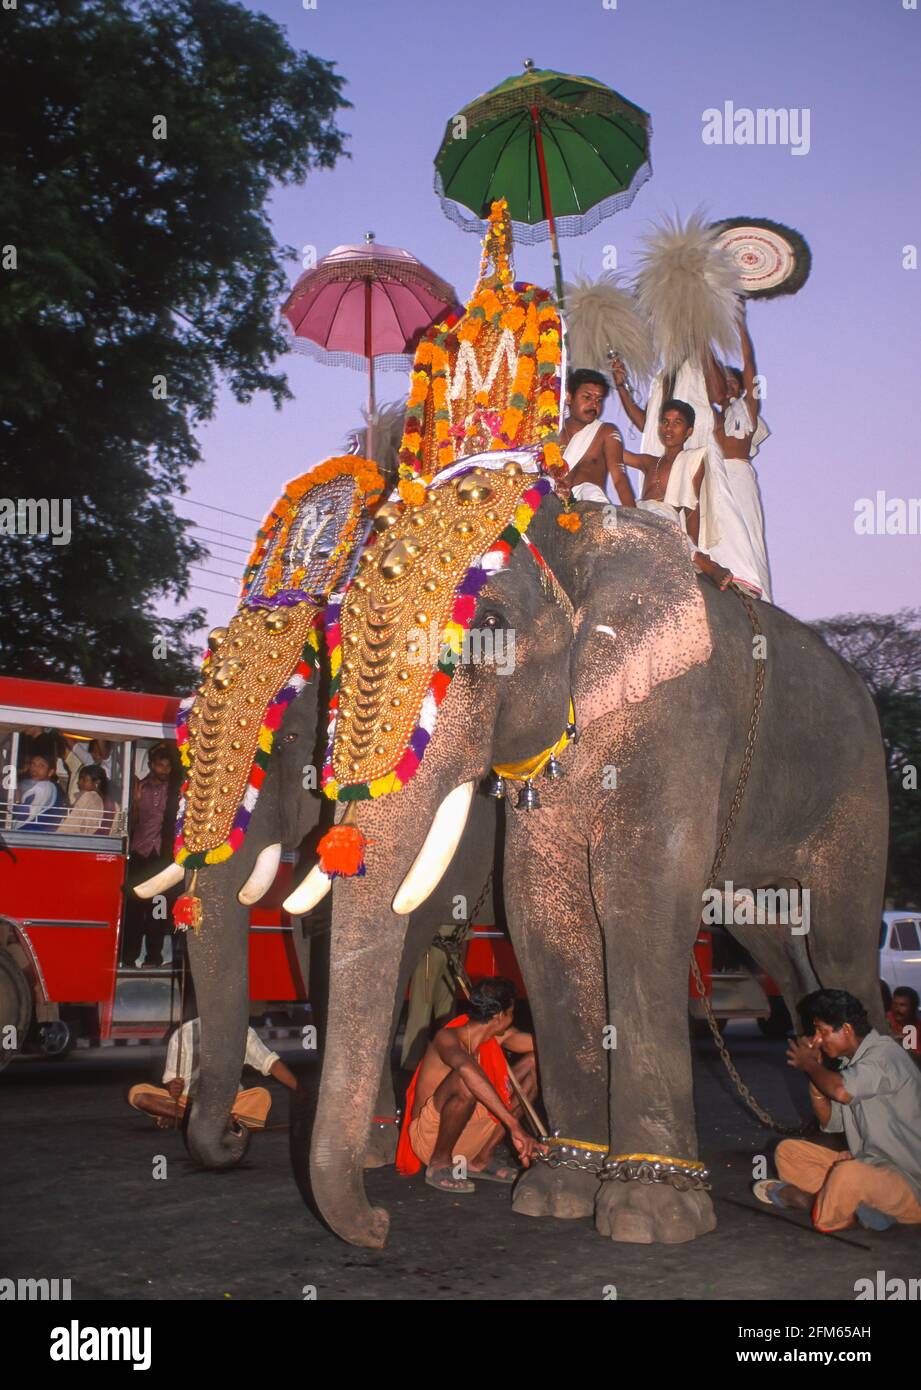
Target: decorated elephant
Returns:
[[703, 720], [249, 738]]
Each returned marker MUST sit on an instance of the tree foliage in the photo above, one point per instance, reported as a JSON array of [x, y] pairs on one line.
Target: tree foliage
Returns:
[[141, 145], [886, 650]]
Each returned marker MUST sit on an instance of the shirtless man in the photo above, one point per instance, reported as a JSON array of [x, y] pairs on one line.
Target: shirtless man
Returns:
[[593, 449], [459, 1098], [672, 482]]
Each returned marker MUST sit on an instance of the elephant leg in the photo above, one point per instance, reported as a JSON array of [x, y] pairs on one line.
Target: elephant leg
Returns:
[[650, 927], [557, 941]]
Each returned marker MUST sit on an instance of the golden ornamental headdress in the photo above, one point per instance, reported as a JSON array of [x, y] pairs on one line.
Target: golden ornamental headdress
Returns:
[[489, 378]]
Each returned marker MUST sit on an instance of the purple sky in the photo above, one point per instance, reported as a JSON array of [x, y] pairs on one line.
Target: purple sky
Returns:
[[840, 358]]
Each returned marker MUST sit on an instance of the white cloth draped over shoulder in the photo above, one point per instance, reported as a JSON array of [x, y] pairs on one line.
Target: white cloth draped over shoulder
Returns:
[[681, 497], [734, 500], [574, 453]]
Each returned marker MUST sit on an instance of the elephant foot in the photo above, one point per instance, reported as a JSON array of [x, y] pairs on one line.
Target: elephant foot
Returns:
[[562, 1192], [382, 1146], [653, 1213]]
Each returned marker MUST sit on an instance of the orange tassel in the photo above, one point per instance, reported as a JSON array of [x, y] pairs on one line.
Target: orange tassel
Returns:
[[342, 852]]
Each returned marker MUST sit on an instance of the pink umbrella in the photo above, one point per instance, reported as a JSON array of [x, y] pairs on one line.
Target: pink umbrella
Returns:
[[365, 306]]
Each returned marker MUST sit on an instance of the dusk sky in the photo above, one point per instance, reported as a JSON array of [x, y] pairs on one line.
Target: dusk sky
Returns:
[[840, 358]]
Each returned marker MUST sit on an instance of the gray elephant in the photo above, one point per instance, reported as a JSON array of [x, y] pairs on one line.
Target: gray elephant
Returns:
[[268, 663], [604, 883]]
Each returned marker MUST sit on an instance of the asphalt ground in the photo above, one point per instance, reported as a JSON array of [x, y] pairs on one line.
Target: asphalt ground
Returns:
[[80, 1202]]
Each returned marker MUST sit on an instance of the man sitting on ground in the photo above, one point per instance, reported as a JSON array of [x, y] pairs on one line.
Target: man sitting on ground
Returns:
[[592, 448], [875, 1101], [675, 486], [460, 1096], [181, 1075]]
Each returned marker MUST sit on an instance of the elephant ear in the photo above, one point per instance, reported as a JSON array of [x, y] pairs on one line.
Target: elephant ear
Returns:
[[643, 621], [260, 662]]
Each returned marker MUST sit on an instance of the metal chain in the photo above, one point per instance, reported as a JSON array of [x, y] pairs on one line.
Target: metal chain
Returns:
[[452, 944], [763, 1115]]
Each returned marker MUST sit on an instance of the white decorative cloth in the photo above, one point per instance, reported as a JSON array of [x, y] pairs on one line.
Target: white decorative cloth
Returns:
[[581, 442], [737, 424]]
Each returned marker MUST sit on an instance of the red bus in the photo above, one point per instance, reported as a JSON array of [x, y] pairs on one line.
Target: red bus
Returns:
[[62, 887]]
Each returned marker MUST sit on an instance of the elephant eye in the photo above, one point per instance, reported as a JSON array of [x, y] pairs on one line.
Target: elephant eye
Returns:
[[289, 738], [491, 620]]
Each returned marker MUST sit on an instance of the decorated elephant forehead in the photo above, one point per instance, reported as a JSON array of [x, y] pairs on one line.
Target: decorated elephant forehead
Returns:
[[256, 666], [306, 545], [397, 636]]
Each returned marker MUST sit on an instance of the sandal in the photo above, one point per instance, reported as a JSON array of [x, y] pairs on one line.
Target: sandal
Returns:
[[768, 1190], [443, 1180], [496, 1172]]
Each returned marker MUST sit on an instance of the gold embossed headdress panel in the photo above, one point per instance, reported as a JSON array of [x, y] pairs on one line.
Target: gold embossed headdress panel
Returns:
[[489, 378], [264, 658], [397, 635]]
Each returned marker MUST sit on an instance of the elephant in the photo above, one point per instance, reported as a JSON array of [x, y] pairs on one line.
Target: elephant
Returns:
[[604, 882], [286, 815]]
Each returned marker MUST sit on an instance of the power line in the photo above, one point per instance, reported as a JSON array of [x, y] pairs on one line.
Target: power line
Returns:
[[216, 574], [179, 497], [197, 525], [203, 588]]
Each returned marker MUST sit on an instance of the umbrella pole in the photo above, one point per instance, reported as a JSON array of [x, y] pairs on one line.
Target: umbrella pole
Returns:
[[370, 356], [548, 206]]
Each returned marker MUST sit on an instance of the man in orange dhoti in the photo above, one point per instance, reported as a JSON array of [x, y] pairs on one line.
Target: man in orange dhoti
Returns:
[[460, 1096]]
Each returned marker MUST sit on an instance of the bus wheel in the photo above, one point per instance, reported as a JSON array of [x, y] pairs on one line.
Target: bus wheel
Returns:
[[55, 1038], [15, 1008]]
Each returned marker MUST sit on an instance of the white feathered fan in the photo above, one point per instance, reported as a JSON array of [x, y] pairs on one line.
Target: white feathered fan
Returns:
[[688, 291]]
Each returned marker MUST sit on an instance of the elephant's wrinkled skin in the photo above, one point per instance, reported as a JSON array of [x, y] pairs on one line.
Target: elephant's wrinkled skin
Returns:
[[662, 684]]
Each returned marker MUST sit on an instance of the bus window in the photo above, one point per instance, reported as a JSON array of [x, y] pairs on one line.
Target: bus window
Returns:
[[67, 782]]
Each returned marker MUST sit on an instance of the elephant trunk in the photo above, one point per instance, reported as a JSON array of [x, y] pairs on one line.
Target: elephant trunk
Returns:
[[219, 956], [366, 951]]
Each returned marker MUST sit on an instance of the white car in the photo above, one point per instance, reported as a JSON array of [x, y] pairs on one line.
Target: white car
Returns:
[[900, 949]]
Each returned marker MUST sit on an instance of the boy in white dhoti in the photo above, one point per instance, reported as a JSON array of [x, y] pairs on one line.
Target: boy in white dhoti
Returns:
[[593, 449], [740, 547], [676, 486]]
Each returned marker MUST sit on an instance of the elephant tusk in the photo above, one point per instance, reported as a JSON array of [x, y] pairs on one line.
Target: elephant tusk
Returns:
[[429, 865], [308, 893], [262, 877], [166, 878]]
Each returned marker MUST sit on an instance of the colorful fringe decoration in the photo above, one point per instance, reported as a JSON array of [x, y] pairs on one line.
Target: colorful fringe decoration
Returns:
[[275, 712], [342, 852], [465, 597]]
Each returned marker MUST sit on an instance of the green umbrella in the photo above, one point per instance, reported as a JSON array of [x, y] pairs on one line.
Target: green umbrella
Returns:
[[565, 151]]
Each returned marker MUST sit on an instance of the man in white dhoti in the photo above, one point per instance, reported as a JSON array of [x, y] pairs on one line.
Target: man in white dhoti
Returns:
[[677, 486], [592, 448], [738, 430], [740, 547]]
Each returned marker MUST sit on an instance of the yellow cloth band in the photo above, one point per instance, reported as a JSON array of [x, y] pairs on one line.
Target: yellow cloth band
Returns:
[[659, 1158], [530, 767], [576, 1144]]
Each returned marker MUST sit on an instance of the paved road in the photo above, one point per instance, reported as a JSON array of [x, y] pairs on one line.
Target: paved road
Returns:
[[81, 1203]]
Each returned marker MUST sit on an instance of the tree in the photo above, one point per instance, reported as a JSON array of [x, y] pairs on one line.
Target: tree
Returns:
[[886, 651], [139, 270]]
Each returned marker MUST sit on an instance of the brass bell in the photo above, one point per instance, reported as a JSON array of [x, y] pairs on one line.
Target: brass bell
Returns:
[[572, 733], [553, 769], [528, 800], [494, 786]]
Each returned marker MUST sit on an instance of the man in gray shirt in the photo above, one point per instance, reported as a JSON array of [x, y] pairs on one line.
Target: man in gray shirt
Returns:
[[875, 1101]]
